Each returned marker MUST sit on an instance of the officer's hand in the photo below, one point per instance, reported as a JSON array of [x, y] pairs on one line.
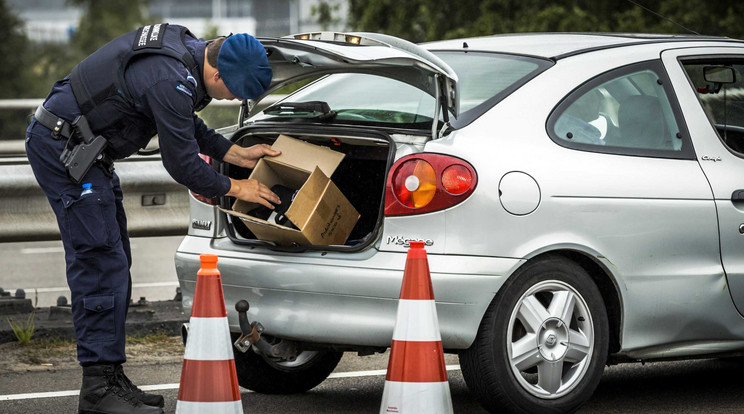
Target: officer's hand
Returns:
[[248, 157], [252, 191]]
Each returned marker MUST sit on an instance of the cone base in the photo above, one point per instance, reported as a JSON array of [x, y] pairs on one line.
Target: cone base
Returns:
[[189, 407], [416, 397]]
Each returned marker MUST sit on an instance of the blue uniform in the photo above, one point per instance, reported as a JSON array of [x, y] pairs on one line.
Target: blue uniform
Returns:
[[93, 227]]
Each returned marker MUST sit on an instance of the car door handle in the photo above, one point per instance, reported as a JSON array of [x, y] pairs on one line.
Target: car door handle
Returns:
[[737, 195]]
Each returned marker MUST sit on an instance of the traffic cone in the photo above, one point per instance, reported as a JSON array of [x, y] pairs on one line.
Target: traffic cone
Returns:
[[416, 380], [209, 382]]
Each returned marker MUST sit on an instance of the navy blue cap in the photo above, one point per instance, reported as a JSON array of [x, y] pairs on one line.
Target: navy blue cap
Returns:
[[243, 66]]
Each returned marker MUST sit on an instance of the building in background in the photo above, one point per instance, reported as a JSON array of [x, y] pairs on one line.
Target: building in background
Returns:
[[56, 20]]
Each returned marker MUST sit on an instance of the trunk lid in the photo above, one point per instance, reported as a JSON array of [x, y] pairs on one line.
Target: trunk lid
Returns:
[[301, 56]]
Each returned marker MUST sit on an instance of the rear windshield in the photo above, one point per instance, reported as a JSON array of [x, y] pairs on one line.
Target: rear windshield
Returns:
[[484, 79]]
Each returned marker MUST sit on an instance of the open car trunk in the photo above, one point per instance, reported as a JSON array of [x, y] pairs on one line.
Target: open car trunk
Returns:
[[360, 176]]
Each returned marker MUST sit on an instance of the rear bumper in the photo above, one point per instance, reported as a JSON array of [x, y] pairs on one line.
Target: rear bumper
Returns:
[[342, 298]]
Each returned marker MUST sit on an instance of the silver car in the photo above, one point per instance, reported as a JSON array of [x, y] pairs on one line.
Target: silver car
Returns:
[[581, 197]]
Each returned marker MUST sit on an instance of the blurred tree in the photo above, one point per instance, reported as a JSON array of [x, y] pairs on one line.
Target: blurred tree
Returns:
[[14, 74], [709, 17], [558, 18], [212, 31], [427, 20], [103, 20], [12, 49], [28, 70], [50, 63], [325, 11]]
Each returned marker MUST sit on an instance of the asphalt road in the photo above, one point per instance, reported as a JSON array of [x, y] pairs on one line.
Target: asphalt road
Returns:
[[39, 269], [704, 386]]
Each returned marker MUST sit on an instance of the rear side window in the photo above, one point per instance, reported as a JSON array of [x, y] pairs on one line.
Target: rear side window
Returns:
[[722, 102], [628, 111]]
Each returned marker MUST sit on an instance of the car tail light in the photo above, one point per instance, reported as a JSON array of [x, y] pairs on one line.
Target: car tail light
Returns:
[[422, 183], [456, 179], [203, 199]]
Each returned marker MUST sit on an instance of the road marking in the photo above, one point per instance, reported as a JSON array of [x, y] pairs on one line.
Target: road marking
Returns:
[[46, 290], [134, 285], [42, 250], [33, 395], [56, 249], [154, 284], [160, 387], [355, 374]]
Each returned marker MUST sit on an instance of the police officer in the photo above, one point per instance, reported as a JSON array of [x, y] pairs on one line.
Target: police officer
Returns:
[[148, 81]]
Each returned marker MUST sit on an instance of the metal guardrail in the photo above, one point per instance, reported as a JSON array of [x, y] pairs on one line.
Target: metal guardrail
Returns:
[[20, 103], [33, 103], [155, 204], [17, 147]]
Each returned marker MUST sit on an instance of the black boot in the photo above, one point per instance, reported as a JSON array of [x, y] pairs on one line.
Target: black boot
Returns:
[[101, 393], [148, 399]]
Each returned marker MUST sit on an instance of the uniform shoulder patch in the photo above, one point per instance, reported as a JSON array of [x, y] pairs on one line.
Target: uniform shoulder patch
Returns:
[[184, 89], [192, 80]]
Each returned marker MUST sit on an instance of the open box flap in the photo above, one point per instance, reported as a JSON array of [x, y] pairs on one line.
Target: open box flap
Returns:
[[306, 156]]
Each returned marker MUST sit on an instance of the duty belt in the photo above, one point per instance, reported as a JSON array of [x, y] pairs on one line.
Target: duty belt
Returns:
[[63, 129], [59, 127]]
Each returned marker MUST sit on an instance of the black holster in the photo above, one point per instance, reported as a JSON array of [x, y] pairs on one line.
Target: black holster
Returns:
[[88, 150]]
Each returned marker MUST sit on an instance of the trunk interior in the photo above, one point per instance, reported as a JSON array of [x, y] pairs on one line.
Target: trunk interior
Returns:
[[360, 177]]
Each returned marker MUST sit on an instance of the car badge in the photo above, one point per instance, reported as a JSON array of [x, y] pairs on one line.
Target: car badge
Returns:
[[405, 241], [201, 224]]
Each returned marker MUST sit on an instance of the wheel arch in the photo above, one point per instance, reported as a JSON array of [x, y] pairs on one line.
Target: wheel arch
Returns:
[[605, 281], [486, 361]]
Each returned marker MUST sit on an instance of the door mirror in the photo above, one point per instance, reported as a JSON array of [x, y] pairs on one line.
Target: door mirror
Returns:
[[719, 74]]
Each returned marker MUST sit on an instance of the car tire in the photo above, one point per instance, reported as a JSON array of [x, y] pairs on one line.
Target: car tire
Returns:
[[554, 369], [266, 376]]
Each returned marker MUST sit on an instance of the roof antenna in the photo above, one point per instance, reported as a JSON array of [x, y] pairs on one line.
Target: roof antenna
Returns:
[[663, 17]]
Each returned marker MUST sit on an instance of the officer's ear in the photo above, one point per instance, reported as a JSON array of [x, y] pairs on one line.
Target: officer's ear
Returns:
[[213, 78]]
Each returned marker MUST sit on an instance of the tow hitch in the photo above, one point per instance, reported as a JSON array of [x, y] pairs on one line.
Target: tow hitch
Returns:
[[251, 337]]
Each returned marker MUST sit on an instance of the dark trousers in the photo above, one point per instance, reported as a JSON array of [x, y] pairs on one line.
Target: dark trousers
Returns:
[[93, 228]]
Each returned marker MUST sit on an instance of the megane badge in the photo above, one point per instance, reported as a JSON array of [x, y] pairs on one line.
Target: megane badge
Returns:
[[201, 224], [403, 241]]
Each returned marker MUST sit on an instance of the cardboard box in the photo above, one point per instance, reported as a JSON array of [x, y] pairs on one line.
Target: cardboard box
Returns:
[[320, 211]]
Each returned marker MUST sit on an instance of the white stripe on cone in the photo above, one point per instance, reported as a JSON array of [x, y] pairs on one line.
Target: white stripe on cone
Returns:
[[416, 397], [416, 321], [190, 407], [203, 343]]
